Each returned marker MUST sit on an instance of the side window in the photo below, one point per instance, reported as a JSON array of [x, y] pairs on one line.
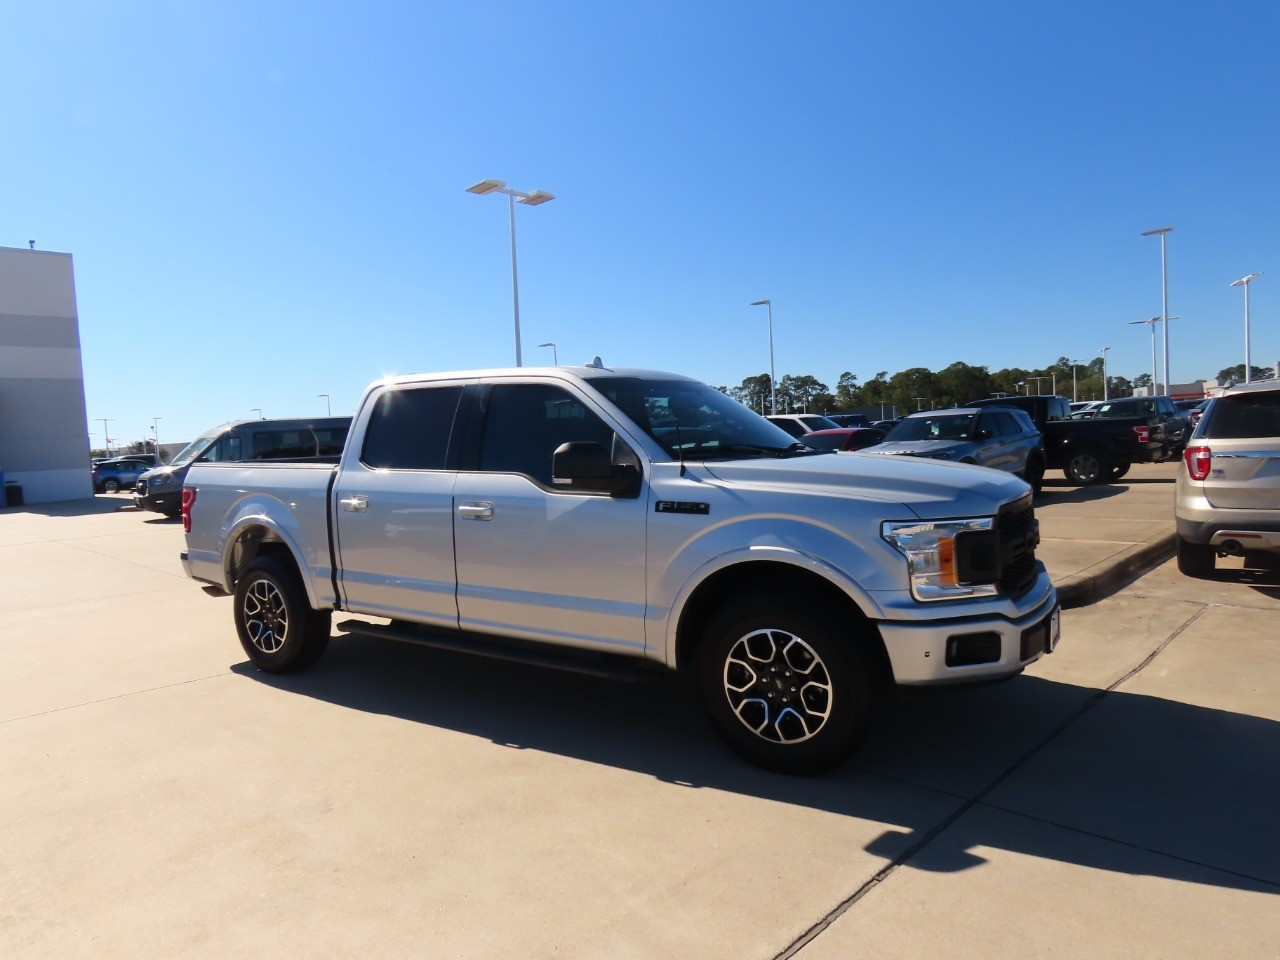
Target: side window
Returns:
[[225, 450], [409, 429], [1006, 425], [526, 422]]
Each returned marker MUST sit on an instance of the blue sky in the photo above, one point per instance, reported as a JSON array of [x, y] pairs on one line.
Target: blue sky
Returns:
[[265, 201]]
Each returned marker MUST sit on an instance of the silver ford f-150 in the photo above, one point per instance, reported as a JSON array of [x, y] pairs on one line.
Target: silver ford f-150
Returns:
[[589, 518]]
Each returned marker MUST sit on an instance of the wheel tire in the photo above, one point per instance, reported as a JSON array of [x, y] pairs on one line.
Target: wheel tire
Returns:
[[276, 625], [1195, 559], [110, 485], [751, 651], [1034, 474], [1119, 471], [1086, 467]]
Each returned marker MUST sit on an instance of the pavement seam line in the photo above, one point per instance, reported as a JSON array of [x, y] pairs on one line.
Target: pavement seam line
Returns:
[[843, 907], [118, 696]]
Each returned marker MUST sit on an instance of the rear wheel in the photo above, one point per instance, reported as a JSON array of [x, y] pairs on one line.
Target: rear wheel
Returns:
[[1119, 471], [1086, 467], [1195, 559], [788, 690], [110, 485], [276, 625]]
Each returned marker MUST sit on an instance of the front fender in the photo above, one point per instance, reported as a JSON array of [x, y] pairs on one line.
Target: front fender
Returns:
[[760, 554]]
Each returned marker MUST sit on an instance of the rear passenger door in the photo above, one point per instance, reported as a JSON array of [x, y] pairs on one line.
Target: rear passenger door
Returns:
[[393, 528], [537, 562]]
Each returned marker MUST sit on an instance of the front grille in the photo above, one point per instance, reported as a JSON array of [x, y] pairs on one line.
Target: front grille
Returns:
[[1019, 533]]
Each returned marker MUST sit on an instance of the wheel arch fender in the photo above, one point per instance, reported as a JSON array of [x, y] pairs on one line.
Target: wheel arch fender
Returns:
[[756, 570], [254, 534]]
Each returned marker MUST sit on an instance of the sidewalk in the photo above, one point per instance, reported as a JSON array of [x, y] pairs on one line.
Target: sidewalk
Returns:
[[1094, 540]]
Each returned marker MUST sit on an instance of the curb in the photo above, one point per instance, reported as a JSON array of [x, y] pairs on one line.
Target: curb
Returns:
[[1082, 589]]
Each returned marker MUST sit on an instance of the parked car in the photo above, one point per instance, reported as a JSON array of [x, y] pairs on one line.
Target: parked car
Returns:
[[1084, 409], [117, 474], [318, 439], [798, 424], [1175, 423], [1227, 498], [1004, 438], [843, 438], [849, 419], [1089, 451]]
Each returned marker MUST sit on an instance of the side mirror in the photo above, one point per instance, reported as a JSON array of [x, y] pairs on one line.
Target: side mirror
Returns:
[[986, 434], [585, 466]]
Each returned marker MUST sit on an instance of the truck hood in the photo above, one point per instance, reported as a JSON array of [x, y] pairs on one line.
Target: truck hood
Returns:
[[931, 489]]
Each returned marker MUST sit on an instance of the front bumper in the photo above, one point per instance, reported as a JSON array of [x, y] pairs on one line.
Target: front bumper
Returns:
[[166, 500], [986, 646]]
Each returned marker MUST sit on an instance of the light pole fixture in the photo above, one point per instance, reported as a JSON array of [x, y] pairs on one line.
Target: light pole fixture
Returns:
[[258, 411], [1164, 298], [773, 380], [1038, 381], [1106, 394], [155, 428], [919, 400], [555, 359], [328, 409], [532, 199], [1248, 357]]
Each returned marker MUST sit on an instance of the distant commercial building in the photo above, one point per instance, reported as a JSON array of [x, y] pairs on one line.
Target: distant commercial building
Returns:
[[44, 433]]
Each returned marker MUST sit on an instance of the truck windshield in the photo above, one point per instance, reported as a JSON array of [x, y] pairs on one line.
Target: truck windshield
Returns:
[[693, 421]]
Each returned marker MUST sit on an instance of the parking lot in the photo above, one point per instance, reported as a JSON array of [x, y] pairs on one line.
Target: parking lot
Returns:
[[161, 798]]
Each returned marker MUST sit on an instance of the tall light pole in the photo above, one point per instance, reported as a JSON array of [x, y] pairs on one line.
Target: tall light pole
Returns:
[[919, 401], [555, 359], [155, 428], [773, 380], [1038, 381], [106, 440], [1150, 322], [1164, 298], [532, 199], [1106, 393], [258, 411], [327, 408], [1248, 359], [1075, 394]]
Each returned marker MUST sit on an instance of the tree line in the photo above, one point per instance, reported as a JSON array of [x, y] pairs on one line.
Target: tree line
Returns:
[[923, 389]]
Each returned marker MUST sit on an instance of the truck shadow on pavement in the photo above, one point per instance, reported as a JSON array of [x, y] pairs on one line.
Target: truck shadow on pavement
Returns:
[[1112, 781]]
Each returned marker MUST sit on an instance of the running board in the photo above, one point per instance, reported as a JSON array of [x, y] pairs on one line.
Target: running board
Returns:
[[603, 665]]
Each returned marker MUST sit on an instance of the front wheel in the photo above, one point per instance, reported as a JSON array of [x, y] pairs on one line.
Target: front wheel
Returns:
[[1120, 471], [1086, 467], [276, 625], [1195, 559], [789, 690], [110, 485], [1034, 474]]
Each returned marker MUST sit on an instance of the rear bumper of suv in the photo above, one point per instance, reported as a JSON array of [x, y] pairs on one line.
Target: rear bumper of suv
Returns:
[[1201, 523]]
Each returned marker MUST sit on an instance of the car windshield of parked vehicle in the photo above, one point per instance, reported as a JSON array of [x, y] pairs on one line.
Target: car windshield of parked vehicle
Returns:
[[692, 421], [193, 449], [943, 426]]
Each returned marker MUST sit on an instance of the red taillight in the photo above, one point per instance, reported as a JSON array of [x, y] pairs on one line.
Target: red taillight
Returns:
[[1143, 434], [188, 498], [1198, 460]]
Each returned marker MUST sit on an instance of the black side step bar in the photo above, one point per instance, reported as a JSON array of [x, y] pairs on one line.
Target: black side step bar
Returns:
[[603, 665]]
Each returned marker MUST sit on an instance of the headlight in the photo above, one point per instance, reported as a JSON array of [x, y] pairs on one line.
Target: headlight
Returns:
[[948, 559], [159, 480]]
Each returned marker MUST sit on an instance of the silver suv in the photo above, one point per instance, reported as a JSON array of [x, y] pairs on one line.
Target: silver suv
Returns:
[[1227, 499]]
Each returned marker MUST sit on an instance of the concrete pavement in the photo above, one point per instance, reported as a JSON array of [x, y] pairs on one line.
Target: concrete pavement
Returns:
[[162, 799]]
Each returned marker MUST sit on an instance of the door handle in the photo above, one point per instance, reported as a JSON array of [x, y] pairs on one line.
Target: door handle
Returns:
[[477, 510], [356, 503]]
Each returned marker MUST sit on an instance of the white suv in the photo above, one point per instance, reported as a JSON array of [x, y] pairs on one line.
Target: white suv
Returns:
[[1227, 500]]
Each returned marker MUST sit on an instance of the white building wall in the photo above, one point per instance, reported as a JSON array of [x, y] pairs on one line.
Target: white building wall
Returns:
[[44, 435]]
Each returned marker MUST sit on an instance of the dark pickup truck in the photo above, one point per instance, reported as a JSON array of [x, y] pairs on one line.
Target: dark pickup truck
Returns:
[[1090, 451]]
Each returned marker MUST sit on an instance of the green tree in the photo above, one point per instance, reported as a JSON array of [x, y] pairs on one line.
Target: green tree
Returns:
[[847, 392], [801, 392], [914, 388], [753, 392], [1236, 373], [960, 383]]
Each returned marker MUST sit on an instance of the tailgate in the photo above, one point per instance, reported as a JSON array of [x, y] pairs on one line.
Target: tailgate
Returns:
[[1244, 475]]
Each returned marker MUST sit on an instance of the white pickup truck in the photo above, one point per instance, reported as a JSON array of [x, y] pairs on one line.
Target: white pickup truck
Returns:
[[587, 517]]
